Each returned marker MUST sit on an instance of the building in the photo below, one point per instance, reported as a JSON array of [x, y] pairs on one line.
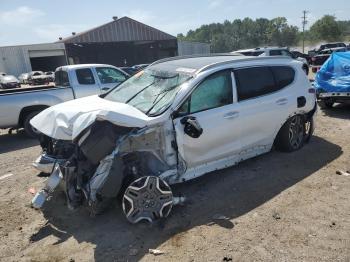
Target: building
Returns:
[[16, 60], [120, 42]]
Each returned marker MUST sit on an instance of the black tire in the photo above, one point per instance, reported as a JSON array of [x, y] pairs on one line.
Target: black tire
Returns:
[[325, 104], [30, 131], [306, 69], [291, 136]]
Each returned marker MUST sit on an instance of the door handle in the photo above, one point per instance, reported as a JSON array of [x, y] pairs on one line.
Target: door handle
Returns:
[[231, 115], [282, 101], [105, 88]]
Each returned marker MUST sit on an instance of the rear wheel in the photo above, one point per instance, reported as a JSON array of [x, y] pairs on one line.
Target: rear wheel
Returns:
[[291, 136], [30, 130]]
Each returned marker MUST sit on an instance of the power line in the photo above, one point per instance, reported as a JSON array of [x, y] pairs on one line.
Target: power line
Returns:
[[304, 23]]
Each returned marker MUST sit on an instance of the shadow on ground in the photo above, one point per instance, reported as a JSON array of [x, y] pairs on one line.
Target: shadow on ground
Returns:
[[231, 192], [16, 141], [341, 111]]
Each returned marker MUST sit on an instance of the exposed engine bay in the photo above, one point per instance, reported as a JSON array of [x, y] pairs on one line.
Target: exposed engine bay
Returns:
[[102, 161]]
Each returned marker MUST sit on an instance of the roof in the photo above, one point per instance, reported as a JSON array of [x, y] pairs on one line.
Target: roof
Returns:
[[80, 66], [198, 63], [261, 49], [119, 30]]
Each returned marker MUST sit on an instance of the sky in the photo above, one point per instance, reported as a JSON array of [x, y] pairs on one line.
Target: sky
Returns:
[[43, 21]]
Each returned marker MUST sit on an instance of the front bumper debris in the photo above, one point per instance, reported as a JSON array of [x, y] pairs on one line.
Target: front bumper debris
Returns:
[[51, 184], [45, 163]]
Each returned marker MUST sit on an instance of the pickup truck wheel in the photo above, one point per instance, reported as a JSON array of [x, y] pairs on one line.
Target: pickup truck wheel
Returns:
[[291, 136], [147, 198], [30, 131]]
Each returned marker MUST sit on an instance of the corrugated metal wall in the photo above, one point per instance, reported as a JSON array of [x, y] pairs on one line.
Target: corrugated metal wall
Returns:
[[120, 30], [15, 60], [192, 48]]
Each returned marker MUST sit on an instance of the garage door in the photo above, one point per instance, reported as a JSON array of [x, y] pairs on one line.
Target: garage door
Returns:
[[45, 53]]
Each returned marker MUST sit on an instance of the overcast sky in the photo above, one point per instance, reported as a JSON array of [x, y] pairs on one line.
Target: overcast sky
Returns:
[[28, 22]]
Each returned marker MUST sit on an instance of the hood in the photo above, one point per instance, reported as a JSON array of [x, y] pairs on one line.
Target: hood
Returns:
[[67, 120]]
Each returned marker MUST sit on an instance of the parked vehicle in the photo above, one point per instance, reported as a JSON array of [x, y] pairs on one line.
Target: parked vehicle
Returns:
[[332, 82], [129, 70], [322, 47], [178, 119], [17, 107], [140, 67], [37, 78], [50, 76], [9, 81], [23, 78], [319, 59], [300, 54], [274, 51]]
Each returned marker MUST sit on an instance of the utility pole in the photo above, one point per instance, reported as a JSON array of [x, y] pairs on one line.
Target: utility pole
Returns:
[[304, 22]]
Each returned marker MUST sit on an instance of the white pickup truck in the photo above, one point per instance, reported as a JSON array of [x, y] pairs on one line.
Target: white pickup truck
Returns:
[[19, 106]]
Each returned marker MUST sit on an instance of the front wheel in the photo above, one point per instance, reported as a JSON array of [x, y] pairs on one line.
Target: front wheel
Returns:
[[30, 130], [291, 136]]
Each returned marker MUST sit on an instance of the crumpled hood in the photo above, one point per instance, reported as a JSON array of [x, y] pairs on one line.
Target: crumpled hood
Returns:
[[67, 120]]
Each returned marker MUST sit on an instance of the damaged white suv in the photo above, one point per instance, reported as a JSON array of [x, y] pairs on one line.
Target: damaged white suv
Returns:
[[178, 119]]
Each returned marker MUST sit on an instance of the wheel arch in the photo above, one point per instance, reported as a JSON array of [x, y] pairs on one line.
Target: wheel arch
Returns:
[[27, 110]]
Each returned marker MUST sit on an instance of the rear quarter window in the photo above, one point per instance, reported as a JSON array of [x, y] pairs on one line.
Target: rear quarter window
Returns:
[[61, 78]]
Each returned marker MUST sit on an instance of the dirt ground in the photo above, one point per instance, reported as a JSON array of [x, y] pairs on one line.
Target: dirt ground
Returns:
[[275, 207]]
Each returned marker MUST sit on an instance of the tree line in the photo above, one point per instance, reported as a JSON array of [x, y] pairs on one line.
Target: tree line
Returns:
[[249, 33]]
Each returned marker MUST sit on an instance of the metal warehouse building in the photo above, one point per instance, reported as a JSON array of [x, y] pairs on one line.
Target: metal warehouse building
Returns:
[[121, 42]]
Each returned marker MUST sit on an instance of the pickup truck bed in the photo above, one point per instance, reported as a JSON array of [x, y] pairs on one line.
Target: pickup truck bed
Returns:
[[17, 105]]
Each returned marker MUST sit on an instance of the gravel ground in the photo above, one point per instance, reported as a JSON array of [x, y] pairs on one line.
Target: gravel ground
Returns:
[[275, 207]]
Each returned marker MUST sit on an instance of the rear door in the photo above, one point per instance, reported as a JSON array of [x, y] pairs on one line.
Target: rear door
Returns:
[[265, 101], [109, 77], [211, 104], [84, 82]]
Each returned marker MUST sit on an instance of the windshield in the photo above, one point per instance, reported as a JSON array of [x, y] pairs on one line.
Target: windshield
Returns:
[[151, 91]]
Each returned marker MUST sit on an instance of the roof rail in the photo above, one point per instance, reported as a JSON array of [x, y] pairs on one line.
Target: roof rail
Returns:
[[192, 56], [207, 67]]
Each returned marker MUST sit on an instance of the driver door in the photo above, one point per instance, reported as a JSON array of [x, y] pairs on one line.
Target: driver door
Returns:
[[211, 105]]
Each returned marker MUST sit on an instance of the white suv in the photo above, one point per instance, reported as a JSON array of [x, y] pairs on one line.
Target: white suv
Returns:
[[274, 51], [178, 119]]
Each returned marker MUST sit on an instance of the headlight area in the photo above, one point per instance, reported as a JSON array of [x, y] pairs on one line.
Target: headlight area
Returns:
[[100, 163]]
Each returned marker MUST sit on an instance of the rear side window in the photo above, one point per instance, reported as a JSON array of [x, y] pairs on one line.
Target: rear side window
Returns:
[[284, 75], [275, 52], [259, 81], [61, 78], [85, 76]]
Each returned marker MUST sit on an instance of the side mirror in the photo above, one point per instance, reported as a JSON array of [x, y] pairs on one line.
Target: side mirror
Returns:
[[192, 127]]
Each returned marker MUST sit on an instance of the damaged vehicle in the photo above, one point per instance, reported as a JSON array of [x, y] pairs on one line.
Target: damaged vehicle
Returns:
[[178, 119]]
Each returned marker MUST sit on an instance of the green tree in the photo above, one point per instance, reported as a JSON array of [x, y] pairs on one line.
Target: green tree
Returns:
[[326, 29]]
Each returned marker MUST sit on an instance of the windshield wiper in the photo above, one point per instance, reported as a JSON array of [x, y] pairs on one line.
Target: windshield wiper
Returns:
[[131, 98]]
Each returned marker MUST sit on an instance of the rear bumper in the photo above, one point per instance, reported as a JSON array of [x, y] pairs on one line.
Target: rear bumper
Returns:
[[340, 95]]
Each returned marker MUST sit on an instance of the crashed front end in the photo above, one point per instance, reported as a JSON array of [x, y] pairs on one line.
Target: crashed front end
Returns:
[[101, 162]]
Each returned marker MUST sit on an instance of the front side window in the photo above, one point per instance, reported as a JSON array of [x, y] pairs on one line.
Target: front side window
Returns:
[[108, 75], [85, 76], [215, 91], [151, 91]]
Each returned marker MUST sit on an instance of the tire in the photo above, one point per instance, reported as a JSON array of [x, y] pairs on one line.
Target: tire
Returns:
[[325, 104], [291, 136], [306, 69], [30, 131]]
